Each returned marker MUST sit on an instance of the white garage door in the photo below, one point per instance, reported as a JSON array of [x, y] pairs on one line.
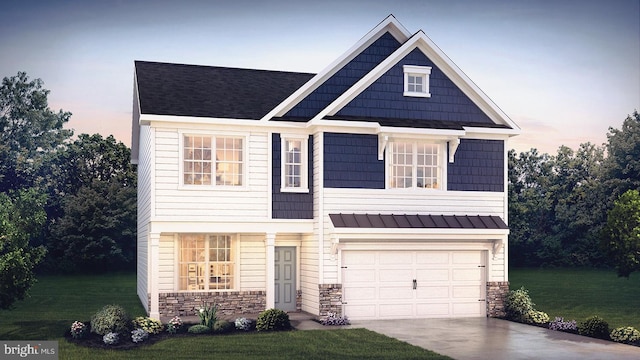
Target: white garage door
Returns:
[[413, 284]]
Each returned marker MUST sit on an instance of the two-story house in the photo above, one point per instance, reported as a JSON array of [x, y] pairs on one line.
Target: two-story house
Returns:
[[374, 189]]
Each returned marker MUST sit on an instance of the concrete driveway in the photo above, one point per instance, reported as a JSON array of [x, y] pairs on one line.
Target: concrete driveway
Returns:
[[488, 338]]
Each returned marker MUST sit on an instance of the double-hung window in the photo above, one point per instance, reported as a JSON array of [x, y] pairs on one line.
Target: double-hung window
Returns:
[[213, 160], [414, 165], [206, 262], [294, 164], [416, 80]]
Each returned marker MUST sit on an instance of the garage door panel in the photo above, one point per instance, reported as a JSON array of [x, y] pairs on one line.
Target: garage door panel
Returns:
[[467, 274], [359, 275], [380, 284], [427, 275], [396, 258], [432, 292]]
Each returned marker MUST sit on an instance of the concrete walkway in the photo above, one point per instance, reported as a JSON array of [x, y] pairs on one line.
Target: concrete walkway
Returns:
[[488, 338]]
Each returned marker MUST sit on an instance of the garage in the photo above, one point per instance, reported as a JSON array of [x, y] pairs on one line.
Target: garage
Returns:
[[413, 284]]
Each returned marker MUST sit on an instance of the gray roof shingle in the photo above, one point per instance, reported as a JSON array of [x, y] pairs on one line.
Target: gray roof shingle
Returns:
[[209, 91]]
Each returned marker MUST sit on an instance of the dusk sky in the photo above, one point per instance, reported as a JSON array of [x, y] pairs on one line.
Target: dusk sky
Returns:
[[564, 71]]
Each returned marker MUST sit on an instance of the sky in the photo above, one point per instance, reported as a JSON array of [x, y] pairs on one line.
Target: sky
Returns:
[[563, 70]]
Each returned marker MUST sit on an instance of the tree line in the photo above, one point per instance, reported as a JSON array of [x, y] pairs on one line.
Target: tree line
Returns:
[[66, 204], [565, 210]]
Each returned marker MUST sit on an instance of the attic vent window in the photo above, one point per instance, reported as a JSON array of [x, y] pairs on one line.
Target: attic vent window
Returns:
[[416, 80]]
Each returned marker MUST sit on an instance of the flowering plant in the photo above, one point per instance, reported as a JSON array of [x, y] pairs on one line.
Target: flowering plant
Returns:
[[626, 335], [333, 319], [111, 338], [244, 324], [208, 314], [174, 324], [560, 324], [79, 330], [151, 326], [139, 335]]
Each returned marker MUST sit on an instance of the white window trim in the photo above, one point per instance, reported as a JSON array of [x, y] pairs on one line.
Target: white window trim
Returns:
[[424, 72], [245, 160], [304, 158], [442, 165], [235, 245]]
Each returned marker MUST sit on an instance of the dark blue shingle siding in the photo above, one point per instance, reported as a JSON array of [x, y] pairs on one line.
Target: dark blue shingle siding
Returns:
[[351, 161], [290, 205], [478, 166], [345, 77], [384, 98]]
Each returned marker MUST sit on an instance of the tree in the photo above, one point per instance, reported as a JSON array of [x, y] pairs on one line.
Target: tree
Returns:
[[92, 211], [621, 235], [21, 218], [622, 166], [28, 129]]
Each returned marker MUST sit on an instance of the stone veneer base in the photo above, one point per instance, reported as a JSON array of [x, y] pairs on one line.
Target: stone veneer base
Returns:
[[229, 303], [330, 299], [496, 294]]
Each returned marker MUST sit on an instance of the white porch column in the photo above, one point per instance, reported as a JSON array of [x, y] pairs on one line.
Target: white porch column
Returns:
[[154, 258], [270, 243]]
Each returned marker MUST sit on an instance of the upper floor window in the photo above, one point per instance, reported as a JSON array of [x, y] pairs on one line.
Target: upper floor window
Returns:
[[294, 157], [414, 165], [209, 157], [416, 80], [207, 262]]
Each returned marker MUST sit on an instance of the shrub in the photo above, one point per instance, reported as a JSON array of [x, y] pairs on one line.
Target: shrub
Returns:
[[594, 327], [111, 338], [111, 318], [79, 330], [536, 317], [139, 335], [626, 335], [518, 305], [151, 326], [199, 329], [222, 326], [273, 320], [559, 324], [245, 324], [174, 325], [208, 314], [334, 319]]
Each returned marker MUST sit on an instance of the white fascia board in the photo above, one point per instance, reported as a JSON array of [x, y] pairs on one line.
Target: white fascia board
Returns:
[[421, 132], [480, 131], [230, 226], [440, 59], [146, 119], [389, 24]]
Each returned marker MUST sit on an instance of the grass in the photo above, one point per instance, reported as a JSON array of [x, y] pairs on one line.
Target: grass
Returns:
[[576, 294], [57, 301]]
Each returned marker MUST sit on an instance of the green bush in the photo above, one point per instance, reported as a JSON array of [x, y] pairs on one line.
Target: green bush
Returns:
[[223, 326], [199, 329], [273, 320], [594, 327], [111, 318], [518, 305], [152, 326], [536, 317], [626, 335]]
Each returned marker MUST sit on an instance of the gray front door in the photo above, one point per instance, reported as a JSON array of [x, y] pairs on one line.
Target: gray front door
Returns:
[[285, 274]]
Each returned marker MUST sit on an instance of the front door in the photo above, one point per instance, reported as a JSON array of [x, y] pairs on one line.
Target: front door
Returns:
[[285, 278]]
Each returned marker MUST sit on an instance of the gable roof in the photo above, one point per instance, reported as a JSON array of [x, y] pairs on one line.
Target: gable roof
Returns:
[[209, 91], [449, 68]]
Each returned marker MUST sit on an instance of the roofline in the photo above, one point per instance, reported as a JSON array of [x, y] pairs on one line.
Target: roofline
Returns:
[[441, 60], [389, 24]]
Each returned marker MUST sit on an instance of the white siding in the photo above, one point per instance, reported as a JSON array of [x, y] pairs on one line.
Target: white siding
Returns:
[[144, 213], [253, 262], [176, 202], [309, 274], [167, 263]]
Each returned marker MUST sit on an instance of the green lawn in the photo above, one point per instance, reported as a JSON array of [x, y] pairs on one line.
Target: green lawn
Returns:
[[57, 301], [576, 294]]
